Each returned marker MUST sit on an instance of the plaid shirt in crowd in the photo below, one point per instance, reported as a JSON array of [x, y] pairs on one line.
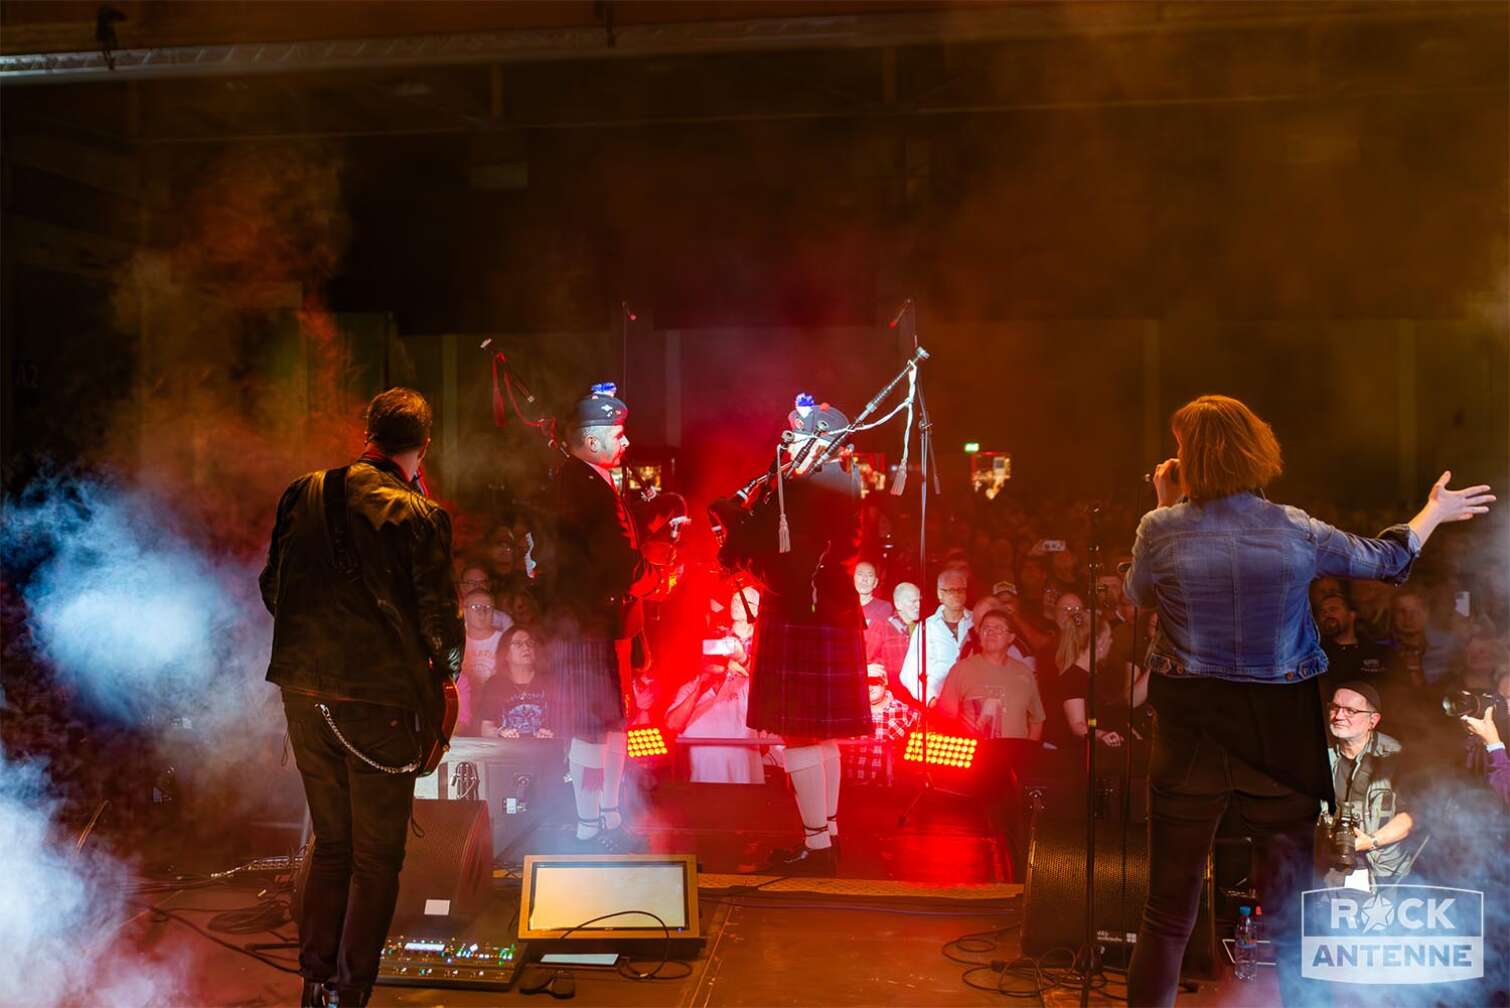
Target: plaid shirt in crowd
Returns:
[[871, 761]]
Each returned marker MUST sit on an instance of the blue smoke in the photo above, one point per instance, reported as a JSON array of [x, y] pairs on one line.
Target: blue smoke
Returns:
[[128, 614], [61, 910]]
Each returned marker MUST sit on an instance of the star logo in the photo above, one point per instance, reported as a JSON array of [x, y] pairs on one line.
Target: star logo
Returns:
[[1378, 914]]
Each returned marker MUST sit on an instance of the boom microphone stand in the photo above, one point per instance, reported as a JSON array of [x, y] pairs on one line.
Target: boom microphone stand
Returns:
[[926, 467]]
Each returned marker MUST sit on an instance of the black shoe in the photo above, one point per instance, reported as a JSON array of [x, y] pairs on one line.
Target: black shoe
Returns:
[[803, 861], [315, 995], [620, 841]]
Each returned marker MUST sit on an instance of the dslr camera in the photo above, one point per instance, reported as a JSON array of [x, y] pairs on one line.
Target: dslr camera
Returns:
[[1473, 703], [1341, 841]]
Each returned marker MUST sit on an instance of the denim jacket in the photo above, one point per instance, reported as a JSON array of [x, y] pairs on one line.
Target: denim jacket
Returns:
[[1230, 579]]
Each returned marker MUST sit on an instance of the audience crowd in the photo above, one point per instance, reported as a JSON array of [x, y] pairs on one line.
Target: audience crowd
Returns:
[[992, 639]]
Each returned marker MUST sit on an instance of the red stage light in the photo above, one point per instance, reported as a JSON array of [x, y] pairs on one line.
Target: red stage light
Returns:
[[644, 743], [942, 750]]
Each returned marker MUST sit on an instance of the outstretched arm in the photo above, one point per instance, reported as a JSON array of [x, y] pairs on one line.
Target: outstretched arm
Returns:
[[1444, 505]]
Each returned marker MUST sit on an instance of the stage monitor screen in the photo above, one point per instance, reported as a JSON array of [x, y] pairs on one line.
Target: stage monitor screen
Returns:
[[565, 892]]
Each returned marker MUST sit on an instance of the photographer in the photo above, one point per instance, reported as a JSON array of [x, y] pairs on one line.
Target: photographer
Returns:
[[1497, 767], [1370, 824]]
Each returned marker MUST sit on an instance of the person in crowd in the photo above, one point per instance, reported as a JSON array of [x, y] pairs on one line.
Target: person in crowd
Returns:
[[350, 669], [1065, 574], [478, 662], [993, 694], [514, 703], [744, 609], [1370, 600], [598, 580], [802, 543], [506, 559], [1035, 613], [946, 631], [715, 704], [1003, 599], [886, 642], [1239, 722], [473, 576], [1366, 770], [1066, 692], [1323, 587], [1484, 657], [873, 761], [521, 607], [1421, 655], [866, 583], [1496, 762], [1349, 658]]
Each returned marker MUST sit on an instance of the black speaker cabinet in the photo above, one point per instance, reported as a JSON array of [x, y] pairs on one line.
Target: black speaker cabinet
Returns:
[[448, 868], [1054, 903]]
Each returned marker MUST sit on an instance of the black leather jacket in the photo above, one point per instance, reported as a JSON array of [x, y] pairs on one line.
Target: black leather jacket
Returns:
[[363, 638]]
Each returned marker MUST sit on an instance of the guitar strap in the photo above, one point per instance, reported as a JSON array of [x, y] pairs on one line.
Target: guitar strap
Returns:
[[338, 531]]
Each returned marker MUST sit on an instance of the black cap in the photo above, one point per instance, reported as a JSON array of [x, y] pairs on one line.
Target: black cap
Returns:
[[600, 407], [1363, 689], [813, 417]]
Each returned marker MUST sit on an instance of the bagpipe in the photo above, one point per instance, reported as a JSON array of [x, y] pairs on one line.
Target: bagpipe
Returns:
[[820, 445]]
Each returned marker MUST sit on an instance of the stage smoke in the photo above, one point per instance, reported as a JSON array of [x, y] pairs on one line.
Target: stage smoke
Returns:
[[127, 612], [60, 911]]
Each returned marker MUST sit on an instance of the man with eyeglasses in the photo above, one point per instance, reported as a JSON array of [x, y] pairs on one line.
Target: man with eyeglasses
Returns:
[[946, 630], [995, 695], [1365, 777], [479, 659]]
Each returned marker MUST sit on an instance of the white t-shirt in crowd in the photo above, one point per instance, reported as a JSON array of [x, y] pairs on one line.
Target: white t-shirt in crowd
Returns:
[[478, 663], [724, 717]]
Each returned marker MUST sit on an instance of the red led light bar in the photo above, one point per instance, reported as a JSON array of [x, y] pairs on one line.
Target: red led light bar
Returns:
[[942, 750]]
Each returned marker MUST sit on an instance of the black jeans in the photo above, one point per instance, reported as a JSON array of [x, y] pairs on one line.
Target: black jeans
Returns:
[[1192, 782], [361, 816]]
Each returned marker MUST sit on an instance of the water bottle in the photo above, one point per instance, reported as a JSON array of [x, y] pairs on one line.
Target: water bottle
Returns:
[[1245, 945], [1259, 933]]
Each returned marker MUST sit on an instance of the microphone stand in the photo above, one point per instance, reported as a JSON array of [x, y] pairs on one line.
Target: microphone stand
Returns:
[[925, 452], [1093, 569], [926, 467]]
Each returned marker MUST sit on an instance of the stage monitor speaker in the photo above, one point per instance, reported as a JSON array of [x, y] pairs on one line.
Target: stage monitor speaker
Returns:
[[448, 867], [1054, 903]]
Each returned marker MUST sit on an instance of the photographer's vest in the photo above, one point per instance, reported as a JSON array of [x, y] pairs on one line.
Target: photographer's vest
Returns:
[[1370, 790]]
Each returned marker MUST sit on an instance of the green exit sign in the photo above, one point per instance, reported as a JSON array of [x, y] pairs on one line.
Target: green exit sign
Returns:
[[971, 447]]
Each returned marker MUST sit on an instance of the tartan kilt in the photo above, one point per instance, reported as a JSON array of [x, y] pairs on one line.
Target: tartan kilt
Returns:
[[808, 681], [587, 699]]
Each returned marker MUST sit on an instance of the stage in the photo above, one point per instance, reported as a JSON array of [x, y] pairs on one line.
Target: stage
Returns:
[[875, 935]]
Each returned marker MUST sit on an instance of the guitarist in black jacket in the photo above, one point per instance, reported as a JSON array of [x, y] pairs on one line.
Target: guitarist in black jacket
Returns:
[[365, 627]]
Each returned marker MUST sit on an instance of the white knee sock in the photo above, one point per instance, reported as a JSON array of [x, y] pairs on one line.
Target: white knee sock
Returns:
[[804, 764], [831, 778], [615, 755], [581, 757]]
